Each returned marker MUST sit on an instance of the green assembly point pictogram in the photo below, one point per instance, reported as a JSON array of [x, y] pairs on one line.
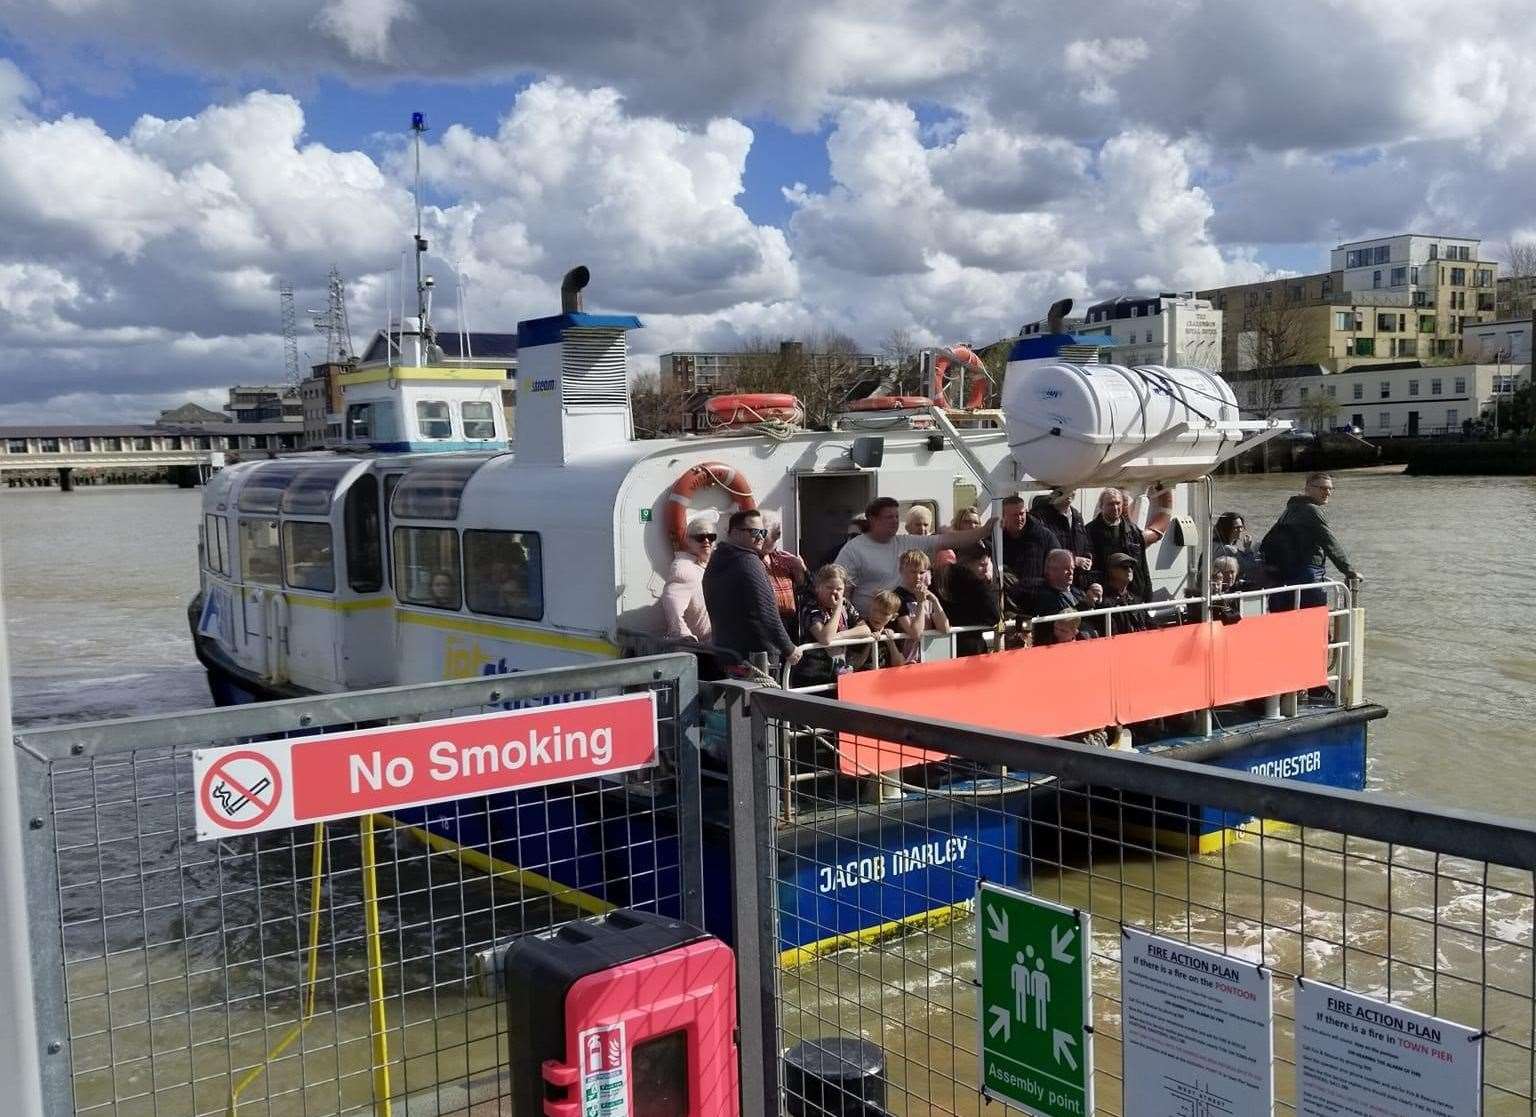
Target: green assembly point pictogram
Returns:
[[1035, 1003]]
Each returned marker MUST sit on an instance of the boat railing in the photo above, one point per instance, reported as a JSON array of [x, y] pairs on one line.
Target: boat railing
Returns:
[[1344, 644]]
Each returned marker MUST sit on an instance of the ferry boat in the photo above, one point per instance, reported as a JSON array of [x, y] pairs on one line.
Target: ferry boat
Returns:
[[430, 549]]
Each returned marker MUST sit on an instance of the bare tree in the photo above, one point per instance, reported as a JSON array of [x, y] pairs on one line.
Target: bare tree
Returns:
[[1274, 341], [656, 405], [904, 364], [1318, 412], [1516, 296], [820, 372]]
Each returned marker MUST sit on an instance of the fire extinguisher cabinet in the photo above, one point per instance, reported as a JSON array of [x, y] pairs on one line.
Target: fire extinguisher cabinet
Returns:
[[626, 1015]]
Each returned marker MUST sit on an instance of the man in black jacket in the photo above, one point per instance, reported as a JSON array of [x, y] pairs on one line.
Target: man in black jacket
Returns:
[[1026, 542], [743, 611], [1297, 549], [1057, 515]]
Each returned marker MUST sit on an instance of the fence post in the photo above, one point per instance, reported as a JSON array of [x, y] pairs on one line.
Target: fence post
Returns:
[[752, 879], [19, 1050]]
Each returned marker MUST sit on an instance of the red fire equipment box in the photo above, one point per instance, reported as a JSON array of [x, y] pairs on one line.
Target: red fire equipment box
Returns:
[[626, 1015]]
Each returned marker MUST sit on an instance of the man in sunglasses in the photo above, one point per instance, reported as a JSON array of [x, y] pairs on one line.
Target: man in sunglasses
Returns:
[[682, 598], [739, 594]]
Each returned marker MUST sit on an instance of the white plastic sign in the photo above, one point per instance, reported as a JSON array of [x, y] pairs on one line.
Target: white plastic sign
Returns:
[[1359, 1057], [1197, 1035]]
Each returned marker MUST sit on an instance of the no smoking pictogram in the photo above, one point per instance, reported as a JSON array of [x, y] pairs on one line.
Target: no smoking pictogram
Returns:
[[240, 790]]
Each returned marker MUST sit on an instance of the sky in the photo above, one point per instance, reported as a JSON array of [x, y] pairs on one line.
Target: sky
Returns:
[[727, 170]]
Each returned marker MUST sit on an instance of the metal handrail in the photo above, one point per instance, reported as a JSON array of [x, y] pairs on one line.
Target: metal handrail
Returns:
[[884, 637]]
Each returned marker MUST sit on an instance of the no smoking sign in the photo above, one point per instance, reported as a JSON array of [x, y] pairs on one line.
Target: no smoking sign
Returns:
[[240, 790], [271, 785]]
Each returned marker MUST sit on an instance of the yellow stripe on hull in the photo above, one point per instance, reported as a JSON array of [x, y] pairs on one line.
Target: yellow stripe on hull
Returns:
[[496, 867], [329, 605], [539, 637], [933, 917]]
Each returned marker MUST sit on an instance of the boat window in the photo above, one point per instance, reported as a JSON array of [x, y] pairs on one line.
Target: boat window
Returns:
[[504, 573], [263, 488], [309, 494], [308, 561], [360, 421], [434, 419], [365, 561], [213, 544], [479, 419], [431, 491], [259, 555], [427, 566]]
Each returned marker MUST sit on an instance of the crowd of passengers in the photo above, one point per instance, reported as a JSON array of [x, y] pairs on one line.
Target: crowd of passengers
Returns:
[[895, 580]]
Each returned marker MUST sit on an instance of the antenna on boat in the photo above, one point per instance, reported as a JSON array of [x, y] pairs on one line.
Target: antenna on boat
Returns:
[[423, 283]]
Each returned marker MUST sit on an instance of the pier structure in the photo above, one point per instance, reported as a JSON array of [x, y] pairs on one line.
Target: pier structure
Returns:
[[67, 455]]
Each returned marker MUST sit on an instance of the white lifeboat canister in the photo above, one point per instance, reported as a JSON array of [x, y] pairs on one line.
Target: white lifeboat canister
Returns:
[[1071, 424]]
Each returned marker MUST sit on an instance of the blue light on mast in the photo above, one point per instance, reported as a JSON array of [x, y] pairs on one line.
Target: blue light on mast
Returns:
[[418, 122]]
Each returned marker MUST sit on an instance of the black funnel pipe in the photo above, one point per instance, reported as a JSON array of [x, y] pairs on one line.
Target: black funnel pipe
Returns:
[[570, 289], [1057, 315]]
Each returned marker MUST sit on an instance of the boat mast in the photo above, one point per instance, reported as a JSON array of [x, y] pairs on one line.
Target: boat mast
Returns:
[[423, 283]]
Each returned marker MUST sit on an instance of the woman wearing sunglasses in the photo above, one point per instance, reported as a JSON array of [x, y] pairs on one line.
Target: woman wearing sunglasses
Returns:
[[682, 598]]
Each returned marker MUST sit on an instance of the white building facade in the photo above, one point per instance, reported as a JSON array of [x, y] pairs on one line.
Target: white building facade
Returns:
[[1508, 341], [1390, 402], [1159, 330]]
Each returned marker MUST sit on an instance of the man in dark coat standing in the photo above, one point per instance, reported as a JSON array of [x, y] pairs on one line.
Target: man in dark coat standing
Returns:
[[1057, 515], [739, 596], [1297, 549]]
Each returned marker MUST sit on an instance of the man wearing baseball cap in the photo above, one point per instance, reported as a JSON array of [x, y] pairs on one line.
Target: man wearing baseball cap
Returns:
[[1119, 574]]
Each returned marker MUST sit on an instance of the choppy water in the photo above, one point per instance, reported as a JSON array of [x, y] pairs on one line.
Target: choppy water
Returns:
[[97, 582]]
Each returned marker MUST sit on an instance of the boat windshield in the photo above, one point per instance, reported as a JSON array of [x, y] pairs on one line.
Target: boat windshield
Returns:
[[263, 488], [431, 491], [309, 493]]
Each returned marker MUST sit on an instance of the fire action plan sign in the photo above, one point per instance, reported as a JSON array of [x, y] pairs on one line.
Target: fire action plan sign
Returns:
[[1360, 1057], [1036, 1004], [1197, 1037], [275, 784]]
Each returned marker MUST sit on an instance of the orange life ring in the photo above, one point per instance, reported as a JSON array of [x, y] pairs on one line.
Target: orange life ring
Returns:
[[698, 477], [977, 397], [889, 403], [745, 408]]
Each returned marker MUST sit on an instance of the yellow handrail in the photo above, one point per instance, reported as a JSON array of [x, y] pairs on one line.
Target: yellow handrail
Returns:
[[378, 1019], [308, 1012]]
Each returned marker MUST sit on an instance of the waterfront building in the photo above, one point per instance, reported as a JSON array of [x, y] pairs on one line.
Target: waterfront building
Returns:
[[1385, 401], [1507, 340], [265, 403], [320, 395], [1167, 329], [1409, 296]]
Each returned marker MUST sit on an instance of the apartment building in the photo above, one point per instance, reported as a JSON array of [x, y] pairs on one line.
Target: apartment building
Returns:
[[1387, 299], [718, 372], [1388, 402], [1164, 329]]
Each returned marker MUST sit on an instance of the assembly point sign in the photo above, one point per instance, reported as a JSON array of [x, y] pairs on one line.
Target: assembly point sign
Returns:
[[1036, 1007], [270, 785]]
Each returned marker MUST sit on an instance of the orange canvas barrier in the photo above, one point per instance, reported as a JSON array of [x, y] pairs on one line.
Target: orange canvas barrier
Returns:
[[1060, 689]]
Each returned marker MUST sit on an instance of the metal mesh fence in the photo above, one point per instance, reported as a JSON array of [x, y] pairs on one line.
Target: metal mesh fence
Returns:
[[869, 896], [329, 969]]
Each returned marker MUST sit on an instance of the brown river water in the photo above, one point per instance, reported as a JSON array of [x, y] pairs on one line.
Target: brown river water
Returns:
[[96, 585]]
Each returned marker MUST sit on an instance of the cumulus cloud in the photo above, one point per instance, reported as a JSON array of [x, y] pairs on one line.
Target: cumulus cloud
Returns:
[[981, 161]]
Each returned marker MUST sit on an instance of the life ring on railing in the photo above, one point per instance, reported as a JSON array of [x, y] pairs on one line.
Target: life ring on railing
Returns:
[[944, 363], [1160, 510], [889, 403], [742, 409], [698, 477]]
